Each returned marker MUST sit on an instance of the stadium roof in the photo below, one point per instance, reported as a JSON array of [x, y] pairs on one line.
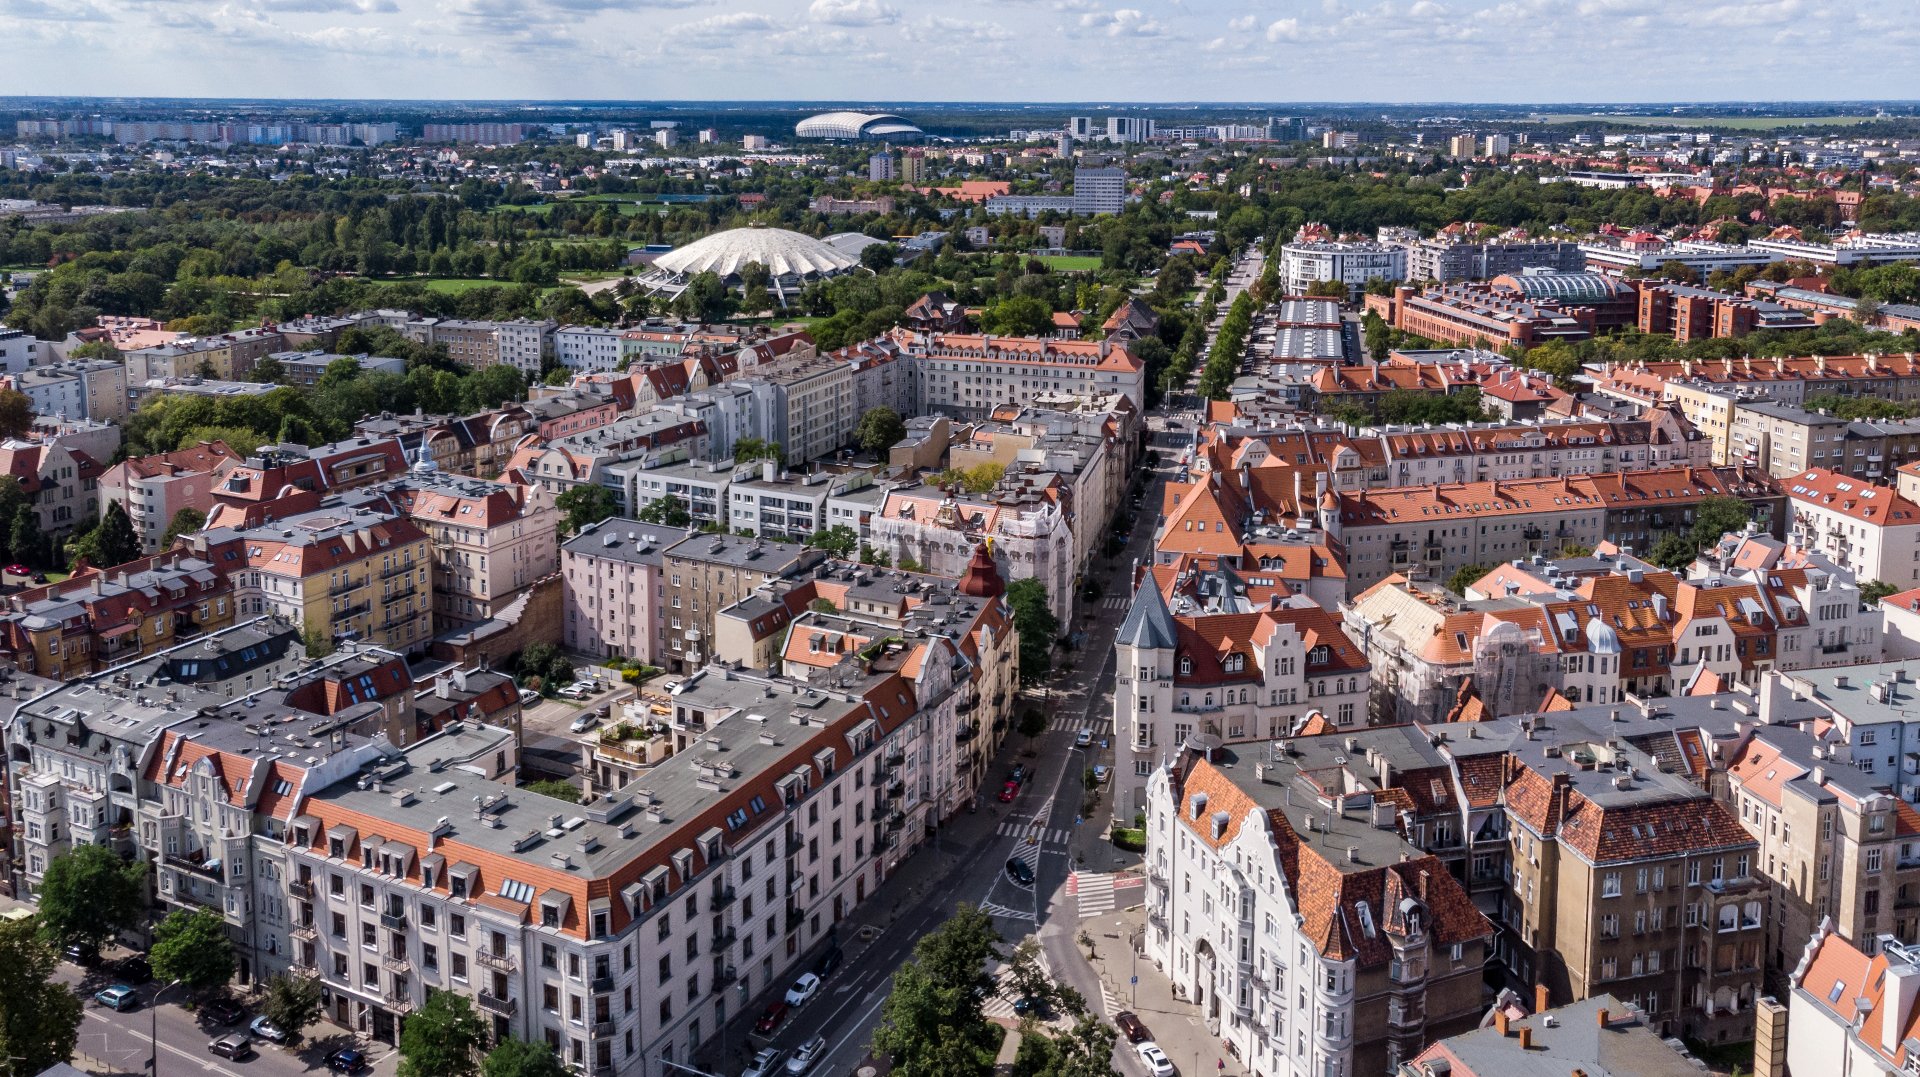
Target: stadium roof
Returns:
[[858, 125]]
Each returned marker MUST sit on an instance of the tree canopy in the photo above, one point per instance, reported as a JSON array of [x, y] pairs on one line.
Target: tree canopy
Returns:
[[583, 504], [880, 429], [193, 947], [1037, 626], [931, 1024], [443, 1038], [89, 895], [292, 1002], [39, 1016]]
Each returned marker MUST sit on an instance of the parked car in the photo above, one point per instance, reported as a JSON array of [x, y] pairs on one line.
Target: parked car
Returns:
[[765, 1064], [829, 961], [1083, 738], [268, 1031], [233, 1045], [347, 1060], [1101, 774], [1019, 772], [775, 1015], [1020, 872], [1158, 1064], [584, 722], [528, 697], [1131, 1027], [119, 997], [18, 569], [803, 989], [134, 970], [1027, 1004], [1009, 791], [573, 691], [806, 1055], [82, 955], [223, 1011]]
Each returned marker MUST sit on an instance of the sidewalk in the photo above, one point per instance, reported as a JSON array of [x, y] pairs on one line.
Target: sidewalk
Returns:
[[1175, 1023]]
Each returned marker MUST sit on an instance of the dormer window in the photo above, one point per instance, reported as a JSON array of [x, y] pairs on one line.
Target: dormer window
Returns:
[[1186, 665]]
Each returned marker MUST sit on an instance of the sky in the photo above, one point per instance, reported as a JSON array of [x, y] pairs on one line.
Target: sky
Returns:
[[967, 50]]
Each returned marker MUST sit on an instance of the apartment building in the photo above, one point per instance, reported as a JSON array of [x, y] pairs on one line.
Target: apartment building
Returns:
[[490, 540], [76, 389], [526, 344], [1448, 526], [782, 505], [1625, 1044], [478, 444], [1870, 530], [706, 574], [307, 368], [1239, 674], [704, 488], [1030, 531], [615, 589], [104, 616], [968, 376], [1450, 257], [1852, 1006], [1788, 439], [298, 474], [1621, 876], [1303, 928], [348, 572], [624, 933], [153, 489], [1303, 265], [188, 779], [586, 347], [1853, 862], [813, 405], [62, 484], [1688, 312]]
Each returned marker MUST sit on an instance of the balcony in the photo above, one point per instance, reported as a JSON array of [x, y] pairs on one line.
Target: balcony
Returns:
[[721, 937], [393, 921], [206, 869], [391, 597], [301, 888], [505, 1007], [306, 932], [601, 984], [724, 898], [398, 1003], [895, 759], [1157, 919], [396, 963], [345, 586], [603, 1030], [966, 733], [497, 962], [351, 612], [399, 570]]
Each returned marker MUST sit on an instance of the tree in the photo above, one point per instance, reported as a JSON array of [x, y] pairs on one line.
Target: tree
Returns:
[[114, 542], [12, 499], [1327, 289], [1033, 723], [747, 449], [880, 429], [185, 522], [1873, 591], [1717, 515], [1466, 576], [583, 504], [878, 256], [29, 546], [443, 1038], [1018, 316], [668, 510], [318, 641], [1379, 336], [193, 947], [39, 1018], [1674, 552], [1034, 620], [1085, 1050], [89, 895], [1026, 977], [838, 540], [520, 1058], [16, 413], [877, 558], [292, 1002], [558, 790], [931, 1024]]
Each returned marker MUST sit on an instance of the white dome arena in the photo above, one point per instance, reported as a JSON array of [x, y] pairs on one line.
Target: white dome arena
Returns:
[[791, 260], [859, 126]]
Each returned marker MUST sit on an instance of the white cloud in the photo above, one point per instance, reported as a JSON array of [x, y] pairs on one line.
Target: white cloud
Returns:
[[1426, 9], [1244, 23], [1123, 22], [851, 12], [716, 31], [1284, 30]]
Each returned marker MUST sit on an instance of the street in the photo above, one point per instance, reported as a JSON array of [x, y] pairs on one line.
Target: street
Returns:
[[117, 1042]]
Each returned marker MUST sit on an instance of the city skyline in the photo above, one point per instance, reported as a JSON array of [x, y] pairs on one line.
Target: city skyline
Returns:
[[1005, 50]]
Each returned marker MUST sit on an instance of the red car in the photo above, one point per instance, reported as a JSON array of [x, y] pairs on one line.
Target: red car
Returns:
[[1009, 791], [776, 1013], [19, 570]]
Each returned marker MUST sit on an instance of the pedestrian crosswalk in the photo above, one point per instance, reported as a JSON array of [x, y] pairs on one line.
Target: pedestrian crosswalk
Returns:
[[999, 1005], [1019, 828], [1094, 893], [1099, 727], [992, 909], [1116, 602]]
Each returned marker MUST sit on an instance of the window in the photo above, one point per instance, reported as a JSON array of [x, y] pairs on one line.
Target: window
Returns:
[[1610, 884]]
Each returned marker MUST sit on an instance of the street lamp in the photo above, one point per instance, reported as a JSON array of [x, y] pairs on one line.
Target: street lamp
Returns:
[[153, 1029]]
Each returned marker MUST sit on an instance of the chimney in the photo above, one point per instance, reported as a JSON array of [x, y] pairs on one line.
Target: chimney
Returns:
[[1601, 1017], [1903, 983], [1526, 1038], [1540, 994], [1500, 1021]]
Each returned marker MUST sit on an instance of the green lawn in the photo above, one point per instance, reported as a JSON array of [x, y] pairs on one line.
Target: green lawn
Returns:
[[456, 285], [1072, 263], [1740, 123]]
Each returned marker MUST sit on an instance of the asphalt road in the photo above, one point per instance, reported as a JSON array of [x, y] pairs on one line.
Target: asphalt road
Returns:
[[118, 1042]]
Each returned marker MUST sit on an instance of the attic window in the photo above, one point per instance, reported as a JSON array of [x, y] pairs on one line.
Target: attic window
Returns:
[[514, 890], [1365, 914], [1839, 988]]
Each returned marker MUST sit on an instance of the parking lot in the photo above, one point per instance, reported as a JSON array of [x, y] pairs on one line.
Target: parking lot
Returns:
[[550, 746]]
